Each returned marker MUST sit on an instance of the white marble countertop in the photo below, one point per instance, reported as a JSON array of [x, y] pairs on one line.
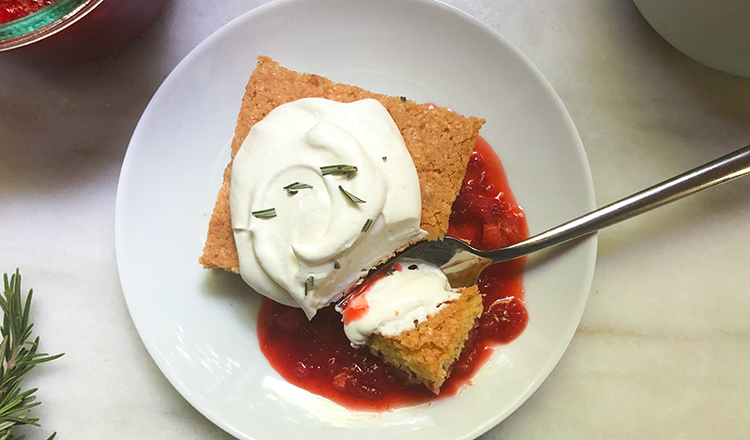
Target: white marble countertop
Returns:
[[663, 350]]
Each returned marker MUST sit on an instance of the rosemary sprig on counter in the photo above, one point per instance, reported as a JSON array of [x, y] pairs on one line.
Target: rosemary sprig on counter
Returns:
[[18, 356]]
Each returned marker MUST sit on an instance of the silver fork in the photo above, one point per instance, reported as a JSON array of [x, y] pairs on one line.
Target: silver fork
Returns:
[[462, 263]]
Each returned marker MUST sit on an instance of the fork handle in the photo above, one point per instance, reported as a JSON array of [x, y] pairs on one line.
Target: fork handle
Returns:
[[721, 170]]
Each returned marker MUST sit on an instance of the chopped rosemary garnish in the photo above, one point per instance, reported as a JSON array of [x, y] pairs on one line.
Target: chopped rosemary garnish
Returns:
[[309, 283], [336, 264], [339, 170], [351, 196], [367, 225], [17, 357], [391, 272], [403, 99], [265, 213], [385, 159], [293, 188]]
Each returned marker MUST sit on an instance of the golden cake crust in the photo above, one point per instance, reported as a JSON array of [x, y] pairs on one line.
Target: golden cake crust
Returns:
[[440, 143], [428, 351]]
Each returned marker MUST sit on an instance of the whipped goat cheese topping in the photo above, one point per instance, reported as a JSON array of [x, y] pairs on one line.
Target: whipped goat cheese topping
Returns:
[[397, 301], [329, 229]]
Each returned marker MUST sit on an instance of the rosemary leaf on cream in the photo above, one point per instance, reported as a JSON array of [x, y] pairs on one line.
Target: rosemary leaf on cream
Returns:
[[367, 225], [309, 283], [339, 170], [350, 196], [265, 213], [293, 188]]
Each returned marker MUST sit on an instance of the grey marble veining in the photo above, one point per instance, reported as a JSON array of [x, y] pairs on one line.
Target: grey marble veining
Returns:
[[663, 350]]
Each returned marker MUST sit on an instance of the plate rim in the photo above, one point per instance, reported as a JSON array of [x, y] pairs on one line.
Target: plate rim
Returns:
[[589, 244]]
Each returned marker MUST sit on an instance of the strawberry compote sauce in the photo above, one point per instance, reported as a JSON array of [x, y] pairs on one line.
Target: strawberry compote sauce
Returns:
[[317, 356]]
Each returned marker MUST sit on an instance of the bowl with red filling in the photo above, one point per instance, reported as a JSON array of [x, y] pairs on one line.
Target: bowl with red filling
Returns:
[[72, 31]]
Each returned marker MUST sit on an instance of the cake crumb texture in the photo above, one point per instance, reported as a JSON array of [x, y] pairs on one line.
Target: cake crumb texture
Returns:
[[428, 352], [440, 143]]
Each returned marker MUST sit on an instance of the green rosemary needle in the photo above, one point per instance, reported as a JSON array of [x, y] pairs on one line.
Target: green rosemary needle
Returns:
[[18, 356], [336, 264], [350, 196], [293, 188], [367, 225], [265, 213], [339, 170], [309, 283]]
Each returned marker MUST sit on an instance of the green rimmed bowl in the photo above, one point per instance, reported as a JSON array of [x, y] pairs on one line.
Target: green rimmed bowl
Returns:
[[78, 31]]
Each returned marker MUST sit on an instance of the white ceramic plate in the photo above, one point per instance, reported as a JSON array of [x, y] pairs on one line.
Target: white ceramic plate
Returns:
[[199, 326]]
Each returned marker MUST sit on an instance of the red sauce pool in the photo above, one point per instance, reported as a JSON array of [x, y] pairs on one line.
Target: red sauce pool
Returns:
[[317, 356], [14, 9]]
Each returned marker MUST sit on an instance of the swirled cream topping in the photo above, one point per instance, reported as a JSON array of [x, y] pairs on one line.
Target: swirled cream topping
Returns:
[[321, 192], [396, 299]]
